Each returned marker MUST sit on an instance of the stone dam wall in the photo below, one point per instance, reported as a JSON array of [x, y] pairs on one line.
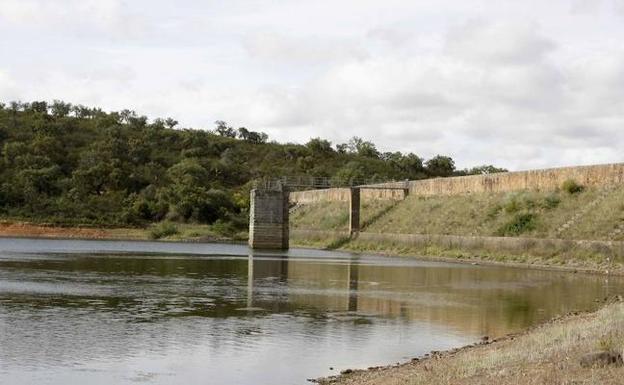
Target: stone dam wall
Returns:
[[343, 195], [533, 180]]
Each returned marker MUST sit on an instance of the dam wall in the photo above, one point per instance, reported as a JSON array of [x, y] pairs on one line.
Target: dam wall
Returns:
[[344, 195], [532, 180]]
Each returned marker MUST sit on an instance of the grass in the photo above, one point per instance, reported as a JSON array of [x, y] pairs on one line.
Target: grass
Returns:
[[163, 230], [326, 216], [548, 354], [519, 214]]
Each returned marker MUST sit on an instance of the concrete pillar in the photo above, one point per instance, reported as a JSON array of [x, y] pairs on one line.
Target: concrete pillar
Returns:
[[268, 219], [354, 213]]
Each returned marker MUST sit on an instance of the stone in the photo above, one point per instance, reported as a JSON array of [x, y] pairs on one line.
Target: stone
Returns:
[[601, 359]]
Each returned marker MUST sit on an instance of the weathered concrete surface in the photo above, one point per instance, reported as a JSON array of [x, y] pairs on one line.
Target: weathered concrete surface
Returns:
[[344, 195], [534, 180], [268, 220], [354, 211]]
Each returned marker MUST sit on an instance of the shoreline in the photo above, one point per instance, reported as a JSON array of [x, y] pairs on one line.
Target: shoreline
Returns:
[[15, 229], [523, 357], [10, 229]]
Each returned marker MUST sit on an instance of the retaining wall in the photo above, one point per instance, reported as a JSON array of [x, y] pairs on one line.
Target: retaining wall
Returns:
[[343, 195], [535, 180]]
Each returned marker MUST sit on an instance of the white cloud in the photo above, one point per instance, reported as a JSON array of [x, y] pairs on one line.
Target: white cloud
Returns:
[[517, 84]]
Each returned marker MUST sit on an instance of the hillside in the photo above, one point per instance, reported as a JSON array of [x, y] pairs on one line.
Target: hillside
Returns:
[[73, 165]]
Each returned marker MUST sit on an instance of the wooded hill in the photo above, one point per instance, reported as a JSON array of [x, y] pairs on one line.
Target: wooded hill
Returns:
[[70, 164]]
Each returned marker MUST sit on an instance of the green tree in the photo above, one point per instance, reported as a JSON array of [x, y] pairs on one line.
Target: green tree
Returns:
[[440, 165]]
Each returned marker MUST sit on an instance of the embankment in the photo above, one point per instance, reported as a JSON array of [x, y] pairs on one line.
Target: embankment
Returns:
[[525, 217]]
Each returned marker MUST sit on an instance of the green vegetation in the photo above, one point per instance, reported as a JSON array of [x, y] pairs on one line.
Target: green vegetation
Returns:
[[518, 225], [571, 187], [162, 230], [594, 214], [73, 165]]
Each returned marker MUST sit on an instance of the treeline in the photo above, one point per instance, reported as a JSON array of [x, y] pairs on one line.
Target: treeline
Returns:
[[71, 164]]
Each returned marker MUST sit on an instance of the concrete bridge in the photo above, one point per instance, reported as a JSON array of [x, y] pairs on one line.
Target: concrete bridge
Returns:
[[269, 213]]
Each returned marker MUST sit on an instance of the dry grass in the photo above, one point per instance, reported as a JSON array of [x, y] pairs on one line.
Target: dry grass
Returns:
[[549, 354], [478, 214], [321, 216]]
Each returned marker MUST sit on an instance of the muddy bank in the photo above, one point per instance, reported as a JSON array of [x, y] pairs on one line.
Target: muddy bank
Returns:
[[21, 229]]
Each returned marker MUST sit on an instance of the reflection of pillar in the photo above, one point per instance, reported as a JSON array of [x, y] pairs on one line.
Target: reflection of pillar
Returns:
[[250, 278], [354, 213], [354, 278]]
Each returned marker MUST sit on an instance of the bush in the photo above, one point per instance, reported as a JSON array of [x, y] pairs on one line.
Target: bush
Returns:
[[493, 211], [512, 203], [551, 201], [162, 230], [518, 225], [571, 187], [515, 202]]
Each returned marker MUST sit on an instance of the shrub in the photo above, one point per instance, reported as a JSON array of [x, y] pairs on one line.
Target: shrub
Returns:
[[512, 203], [551, 201], [571, 187], [515, 202], [493, 211], [162, 230], [518, 225]]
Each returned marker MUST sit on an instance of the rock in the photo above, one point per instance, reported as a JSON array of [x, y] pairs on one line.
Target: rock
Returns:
[[485, 338], [601, 359], [347, 371]]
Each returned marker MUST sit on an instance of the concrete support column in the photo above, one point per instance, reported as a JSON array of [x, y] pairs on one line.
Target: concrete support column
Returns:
[[354, 213], [268, 219]]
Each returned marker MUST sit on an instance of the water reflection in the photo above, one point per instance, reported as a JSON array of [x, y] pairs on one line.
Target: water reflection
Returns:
[[69, 316]]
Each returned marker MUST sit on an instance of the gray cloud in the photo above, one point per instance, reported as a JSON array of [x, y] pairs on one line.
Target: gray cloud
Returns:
[[517, 84]]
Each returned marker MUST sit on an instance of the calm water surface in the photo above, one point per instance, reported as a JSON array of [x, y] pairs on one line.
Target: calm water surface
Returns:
[[77, 312]]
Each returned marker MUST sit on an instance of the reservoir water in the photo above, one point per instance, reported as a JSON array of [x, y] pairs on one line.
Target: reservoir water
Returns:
[[100, 312]]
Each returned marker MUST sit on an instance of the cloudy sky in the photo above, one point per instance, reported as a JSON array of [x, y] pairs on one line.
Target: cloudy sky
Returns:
[[520, 84]]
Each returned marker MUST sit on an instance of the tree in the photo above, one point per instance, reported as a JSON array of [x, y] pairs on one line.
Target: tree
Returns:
[[342, 148], [440, 166], [224, 130], [484, 170], [411, 165], [362, 148], [319, 146], [252, 136]]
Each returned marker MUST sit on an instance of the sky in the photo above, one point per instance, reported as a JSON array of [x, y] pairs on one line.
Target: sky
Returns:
[[518, 84]]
